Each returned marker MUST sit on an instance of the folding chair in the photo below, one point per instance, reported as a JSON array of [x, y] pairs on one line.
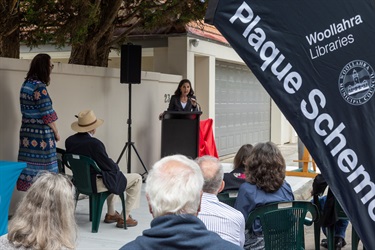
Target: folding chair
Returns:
[[226, 198]]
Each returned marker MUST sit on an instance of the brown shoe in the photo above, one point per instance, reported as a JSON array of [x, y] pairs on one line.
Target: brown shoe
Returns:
[[112, 218], [129, 222]]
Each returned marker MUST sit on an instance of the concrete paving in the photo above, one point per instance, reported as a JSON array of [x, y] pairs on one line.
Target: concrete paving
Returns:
[[109, 237]]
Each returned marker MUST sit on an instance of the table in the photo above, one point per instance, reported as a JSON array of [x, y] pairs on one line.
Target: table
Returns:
[[9, 172]]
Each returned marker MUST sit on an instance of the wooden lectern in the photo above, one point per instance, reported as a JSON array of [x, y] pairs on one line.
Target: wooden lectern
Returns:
[[180, 133]]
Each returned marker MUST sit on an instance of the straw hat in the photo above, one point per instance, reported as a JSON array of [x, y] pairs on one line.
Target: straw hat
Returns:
[[87, 121]]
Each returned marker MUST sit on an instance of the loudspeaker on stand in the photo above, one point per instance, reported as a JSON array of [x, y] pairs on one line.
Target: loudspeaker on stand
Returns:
[[130, 71]]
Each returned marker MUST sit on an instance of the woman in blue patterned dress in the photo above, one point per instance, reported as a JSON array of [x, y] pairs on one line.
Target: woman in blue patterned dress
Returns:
[[38, 134]]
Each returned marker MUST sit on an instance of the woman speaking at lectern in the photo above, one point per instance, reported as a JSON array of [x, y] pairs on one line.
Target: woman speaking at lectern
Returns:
[[183, 98]]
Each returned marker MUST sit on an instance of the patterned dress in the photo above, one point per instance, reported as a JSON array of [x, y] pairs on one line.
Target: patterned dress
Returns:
[[37, 140]]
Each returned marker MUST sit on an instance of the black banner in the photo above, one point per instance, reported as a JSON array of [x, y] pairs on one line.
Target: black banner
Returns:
[[316, 59]]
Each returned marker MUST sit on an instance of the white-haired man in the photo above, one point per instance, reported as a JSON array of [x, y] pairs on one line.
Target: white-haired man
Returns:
[[218, 217], [173, 191]]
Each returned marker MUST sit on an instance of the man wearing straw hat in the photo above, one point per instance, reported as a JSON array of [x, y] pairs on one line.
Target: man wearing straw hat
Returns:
[[84, 143]]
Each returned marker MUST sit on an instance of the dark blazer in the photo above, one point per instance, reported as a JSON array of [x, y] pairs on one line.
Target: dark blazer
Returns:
[[175, 104], [85, 144]]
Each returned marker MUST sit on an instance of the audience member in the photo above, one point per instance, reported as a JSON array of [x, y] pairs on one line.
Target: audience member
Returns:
[[173, 191], [265, 183], [218, 217], [329, 217], [112, 179], [44, 218], [234, 179]]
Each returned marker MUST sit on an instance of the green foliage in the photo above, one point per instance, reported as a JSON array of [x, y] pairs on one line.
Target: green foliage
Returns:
[[58, 22], [72, 21], [93, 22]]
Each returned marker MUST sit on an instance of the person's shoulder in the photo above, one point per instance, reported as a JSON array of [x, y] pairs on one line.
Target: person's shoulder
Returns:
[[127, 246], [83, 137], [73, 137], [247, 186], [32, 84], [218, 243], [247, 189], [231, 211], [134, 245], [287, 190], [36, 83]]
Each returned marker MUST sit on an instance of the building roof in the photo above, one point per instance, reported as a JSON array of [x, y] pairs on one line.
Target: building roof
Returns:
[[197, 29], [206, 31]]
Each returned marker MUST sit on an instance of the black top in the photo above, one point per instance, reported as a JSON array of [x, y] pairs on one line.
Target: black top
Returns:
[[85, 144], [175, 104], [232, 180], [329, 215]]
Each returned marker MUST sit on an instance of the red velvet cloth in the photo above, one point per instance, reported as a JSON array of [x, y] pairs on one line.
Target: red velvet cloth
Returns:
[[207, 145]]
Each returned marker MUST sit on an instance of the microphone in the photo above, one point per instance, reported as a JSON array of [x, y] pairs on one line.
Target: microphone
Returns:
[[198, 105]]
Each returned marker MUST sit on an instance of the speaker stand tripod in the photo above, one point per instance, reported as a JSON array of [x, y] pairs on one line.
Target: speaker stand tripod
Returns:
[[129, 144]]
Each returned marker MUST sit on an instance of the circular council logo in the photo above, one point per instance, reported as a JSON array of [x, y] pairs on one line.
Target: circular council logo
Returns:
[[357, 82]]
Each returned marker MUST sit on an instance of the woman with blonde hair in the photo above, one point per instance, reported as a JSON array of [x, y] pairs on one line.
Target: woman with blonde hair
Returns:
[[44, 219]]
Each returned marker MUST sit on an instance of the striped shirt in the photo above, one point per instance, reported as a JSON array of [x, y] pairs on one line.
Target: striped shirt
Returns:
[[222, 219]]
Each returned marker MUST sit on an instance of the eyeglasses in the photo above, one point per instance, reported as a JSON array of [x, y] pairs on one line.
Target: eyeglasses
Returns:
[[52, 66]]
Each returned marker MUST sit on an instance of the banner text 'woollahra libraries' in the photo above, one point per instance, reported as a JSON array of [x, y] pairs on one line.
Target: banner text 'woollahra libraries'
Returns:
[[315, 59]]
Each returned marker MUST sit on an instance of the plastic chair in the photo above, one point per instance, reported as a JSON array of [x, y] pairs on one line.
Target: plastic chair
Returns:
[[283, 223], [331, 229], [80, 166], [61, 165], [227, 199]]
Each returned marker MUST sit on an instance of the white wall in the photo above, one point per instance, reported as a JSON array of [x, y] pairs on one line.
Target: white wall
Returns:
[[74, 88], [182, 58], [281, 130]]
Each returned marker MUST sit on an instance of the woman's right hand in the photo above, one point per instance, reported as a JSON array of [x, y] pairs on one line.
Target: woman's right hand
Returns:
[[193, 102]]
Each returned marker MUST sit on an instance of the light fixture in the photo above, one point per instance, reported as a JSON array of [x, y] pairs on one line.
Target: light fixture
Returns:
[[194, 42]]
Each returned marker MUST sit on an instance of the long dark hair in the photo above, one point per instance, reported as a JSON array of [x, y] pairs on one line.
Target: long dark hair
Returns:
[[265, 167], [242, 154], [40, 68], [178, 91]]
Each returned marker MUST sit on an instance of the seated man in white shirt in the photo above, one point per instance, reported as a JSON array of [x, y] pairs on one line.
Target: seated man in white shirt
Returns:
[[218, 217]]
